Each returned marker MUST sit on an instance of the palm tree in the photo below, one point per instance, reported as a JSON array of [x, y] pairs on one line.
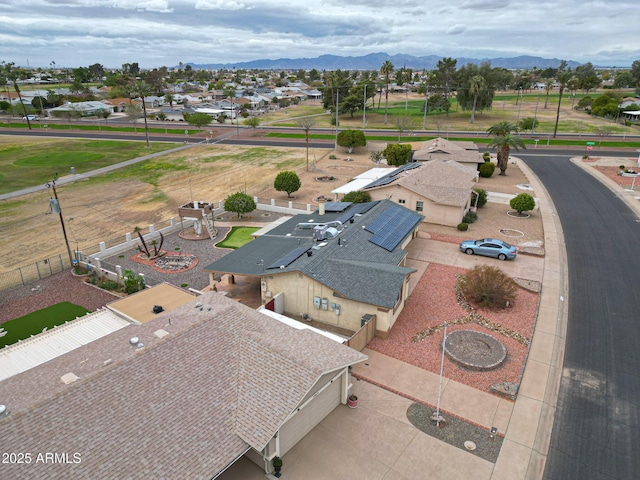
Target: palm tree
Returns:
[[386, 69], [306, 123], [141, 89], [503, 141], [169, 98], [547, 86], [477, 83], [563, 77]]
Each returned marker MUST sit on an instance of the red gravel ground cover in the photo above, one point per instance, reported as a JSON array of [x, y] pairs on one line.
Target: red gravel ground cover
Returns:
[[433, 302], [612, 173], [61, 287]]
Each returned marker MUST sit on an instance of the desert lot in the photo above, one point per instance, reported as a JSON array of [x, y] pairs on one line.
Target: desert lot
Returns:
[[107, 207]]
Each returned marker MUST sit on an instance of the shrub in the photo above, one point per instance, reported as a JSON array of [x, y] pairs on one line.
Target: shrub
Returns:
[[470, 217], [481, 195], [332, 157], [522, 203], [357, 197], [487, 169], [463, 227], [487, 286], [132, 283], [486, 156], [396, 154]]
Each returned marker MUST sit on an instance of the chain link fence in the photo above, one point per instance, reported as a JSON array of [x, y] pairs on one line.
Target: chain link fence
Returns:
[[34, 272]]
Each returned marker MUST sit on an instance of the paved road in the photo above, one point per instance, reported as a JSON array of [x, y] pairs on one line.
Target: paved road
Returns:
[[596, 432]]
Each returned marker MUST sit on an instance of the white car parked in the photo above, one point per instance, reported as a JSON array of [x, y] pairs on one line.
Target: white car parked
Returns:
[[31, 117]]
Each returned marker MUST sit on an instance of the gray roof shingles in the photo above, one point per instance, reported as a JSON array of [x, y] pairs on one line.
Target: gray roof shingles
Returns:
[[354, 267], [226, 378]]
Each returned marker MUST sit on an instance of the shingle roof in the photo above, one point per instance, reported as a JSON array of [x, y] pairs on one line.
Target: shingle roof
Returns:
[[446, 183], [224, 379], [442, 149], [351, 265]]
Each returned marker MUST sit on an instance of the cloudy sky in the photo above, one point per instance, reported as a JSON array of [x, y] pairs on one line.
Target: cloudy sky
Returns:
[[157, 33]]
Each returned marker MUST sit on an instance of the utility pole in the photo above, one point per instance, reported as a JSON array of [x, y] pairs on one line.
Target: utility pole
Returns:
[[426, 105], [337, 106], [55, 208]]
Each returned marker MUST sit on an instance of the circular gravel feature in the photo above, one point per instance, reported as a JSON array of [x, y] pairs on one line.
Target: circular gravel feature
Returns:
[[475, 350]]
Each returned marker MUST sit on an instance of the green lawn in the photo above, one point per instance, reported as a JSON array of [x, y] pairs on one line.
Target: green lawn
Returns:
[[238, 236], [37, 162], [35, 322]]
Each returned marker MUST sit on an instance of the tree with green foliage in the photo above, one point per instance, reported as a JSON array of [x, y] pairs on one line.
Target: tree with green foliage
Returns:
[[587, 77], [606, 105], [444, 79], [199, 120], [527, 124], [522, 203], [503, 141], [386, 69], [357, 197], [397, 154], [351, 139], [252, 122], [287, 181], [477, 84], [239, 203]]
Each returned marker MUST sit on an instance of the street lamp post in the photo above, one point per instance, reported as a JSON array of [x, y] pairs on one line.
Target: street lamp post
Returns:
[[55, 208]]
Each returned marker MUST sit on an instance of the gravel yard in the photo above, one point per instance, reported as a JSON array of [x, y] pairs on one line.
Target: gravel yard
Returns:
[[61, 287], [204, 250], [434, 302]]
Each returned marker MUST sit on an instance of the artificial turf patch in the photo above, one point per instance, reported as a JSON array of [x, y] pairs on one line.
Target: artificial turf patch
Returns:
[[35, 322]]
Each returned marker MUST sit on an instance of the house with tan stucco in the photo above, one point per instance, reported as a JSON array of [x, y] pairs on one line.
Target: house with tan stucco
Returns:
[[439, 190], [341, 265]]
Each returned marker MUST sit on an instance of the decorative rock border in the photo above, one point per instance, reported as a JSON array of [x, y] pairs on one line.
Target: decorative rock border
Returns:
[[475, 350], [518, 233], [514, 214]]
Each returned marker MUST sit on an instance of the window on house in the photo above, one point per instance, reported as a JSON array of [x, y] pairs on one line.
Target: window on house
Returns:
[[402, 201], [419, 206]]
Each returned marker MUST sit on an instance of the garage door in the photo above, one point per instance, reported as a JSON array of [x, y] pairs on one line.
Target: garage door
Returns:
[[303, 422]]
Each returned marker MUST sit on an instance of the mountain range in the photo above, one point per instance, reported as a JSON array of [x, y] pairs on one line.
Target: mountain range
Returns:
[[373, 61]]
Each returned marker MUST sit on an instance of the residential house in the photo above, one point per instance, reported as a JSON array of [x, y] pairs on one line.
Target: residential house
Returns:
[[185, 394], [439, 148], [341, 265], [439, 190], [83, 109]]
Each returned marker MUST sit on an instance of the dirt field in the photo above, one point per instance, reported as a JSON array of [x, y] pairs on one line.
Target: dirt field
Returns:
[[96, 210]]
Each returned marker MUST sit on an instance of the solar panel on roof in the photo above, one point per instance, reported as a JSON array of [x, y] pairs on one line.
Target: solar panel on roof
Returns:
[[289, 258], [336, 206], [391, 226]]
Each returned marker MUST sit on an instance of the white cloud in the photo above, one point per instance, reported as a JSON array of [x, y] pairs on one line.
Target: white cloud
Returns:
[[485, 4], [220, 5], [112, 32], [457, 29]]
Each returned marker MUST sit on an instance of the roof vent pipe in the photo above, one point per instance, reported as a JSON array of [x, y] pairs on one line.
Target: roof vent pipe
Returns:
[[321, 206]]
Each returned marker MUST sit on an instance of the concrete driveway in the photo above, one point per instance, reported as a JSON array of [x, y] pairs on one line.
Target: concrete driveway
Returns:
[[422, 251], [375, 441]]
